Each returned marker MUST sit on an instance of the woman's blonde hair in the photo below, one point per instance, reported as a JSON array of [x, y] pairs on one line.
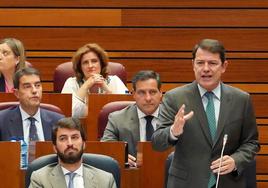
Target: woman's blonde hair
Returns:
[[18, 49]]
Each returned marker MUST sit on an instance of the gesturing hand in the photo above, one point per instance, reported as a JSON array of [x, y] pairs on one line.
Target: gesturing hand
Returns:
[[179, 122]]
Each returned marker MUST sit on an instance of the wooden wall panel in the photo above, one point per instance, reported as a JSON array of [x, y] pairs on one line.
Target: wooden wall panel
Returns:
[[237, 71], [195, 17], [134, 17], [137, 3], [60, 17], [137, 39]]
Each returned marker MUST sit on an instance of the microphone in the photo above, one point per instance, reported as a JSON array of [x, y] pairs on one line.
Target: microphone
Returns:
[[225, 137]]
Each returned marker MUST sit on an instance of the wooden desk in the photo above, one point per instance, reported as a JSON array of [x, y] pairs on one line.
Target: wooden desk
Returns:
[[63, 101], [152, 165], [95, 104], [10, 173]]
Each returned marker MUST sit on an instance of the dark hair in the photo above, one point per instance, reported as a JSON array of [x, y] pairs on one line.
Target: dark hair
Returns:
[[22, 72], [146, 75], [18, 49], [211, 45], [68, 123], [100, 52]]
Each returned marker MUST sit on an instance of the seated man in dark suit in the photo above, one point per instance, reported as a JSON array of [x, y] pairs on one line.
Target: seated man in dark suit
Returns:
[[28, 120], [68, 139], [137, 122]]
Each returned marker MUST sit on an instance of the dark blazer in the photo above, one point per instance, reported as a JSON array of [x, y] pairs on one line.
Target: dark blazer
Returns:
[[194, 149], [2, 84], [124, 125], [11, 123]]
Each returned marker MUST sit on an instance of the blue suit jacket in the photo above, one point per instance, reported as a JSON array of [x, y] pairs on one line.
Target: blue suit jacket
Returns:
[[11, 123]]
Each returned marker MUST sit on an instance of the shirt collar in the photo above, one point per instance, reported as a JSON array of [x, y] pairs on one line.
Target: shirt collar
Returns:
[[142, 115], [216, 91], [25, 115], [79, 171]]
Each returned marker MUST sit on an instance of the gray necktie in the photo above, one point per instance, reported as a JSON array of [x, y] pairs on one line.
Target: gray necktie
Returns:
[[210, 112], [71, 179], [33, 131], [149, 127]]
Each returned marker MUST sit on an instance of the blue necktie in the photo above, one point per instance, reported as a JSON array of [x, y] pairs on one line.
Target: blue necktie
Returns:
[[33, 131], [71, 179], [149, 127], [210, 112]]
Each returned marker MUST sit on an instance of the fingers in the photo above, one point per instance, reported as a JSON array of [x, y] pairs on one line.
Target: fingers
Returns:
[[180, 119], [132, 161], [189, 115], [227, 165]]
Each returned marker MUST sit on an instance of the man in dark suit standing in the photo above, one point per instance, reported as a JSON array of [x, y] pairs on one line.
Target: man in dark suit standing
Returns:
[[131, 123], [194, 118], [27, 120]]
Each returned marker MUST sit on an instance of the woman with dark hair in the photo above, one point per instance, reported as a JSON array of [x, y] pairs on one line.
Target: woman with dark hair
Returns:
[[12, 58], [91, 76]]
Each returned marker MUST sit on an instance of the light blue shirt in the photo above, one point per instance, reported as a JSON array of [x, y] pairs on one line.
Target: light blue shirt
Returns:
[[26, 125], [216, 99]]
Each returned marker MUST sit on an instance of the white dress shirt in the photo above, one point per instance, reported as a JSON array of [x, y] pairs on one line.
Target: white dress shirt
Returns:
[[26, 123], [78, 178], [142, 122]]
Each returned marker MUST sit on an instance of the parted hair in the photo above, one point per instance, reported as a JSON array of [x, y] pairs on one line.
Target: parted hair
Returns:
[[211, 45], [90, 47]]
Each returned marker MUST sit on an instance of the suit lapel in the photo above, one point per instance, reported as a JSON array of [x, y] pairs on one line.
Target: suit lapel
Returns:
[[226, 99], [89, 180], [199, 112], [57, 178], [134, 121], [46, 121], [15, 126]]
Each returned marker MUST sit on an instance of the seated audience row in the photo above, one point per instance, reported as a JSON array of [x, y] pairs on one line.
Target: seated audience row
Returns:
[[90, 65]]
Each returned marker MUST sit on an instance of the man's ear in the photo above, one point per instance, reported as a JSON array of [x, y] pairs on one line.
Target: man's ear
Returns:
[[54, 148], [16, 93], [84, 145]]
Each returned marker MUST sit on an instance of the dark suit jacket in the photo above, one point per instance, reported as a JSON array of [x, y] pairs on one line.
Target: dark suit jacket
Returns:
[[195, 150], [124, 125], [11, 123], [2, 84]]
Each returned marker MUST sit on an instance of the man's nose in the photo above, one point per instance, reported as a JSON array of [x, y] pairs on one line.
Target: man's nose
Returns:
[[69, 141], [148, 96], [206, 66]]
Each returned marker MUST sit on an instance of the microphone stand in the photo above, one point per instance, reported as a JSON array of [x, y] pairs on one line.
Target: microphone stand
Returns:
[[223, 146]]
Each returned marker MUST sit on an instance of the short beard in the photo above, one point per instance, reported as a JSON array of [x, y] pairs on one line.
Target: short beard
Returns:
[[70, 159]]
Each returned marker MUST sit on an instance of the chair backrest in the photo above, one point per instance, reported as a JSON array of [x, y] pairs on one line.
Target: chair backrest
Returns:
[[106, 110], [51, 107], [102, 162], [249, 172], [65, 70]]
